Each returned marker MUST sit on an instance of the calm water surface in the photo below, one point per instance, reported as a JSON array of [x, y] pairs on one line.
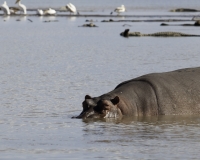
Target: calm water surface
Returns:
[[46, 69]]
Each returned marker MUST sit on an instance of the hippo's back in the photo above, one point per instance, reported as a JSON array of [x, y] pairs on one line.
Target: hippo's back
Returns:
[[177, 92]]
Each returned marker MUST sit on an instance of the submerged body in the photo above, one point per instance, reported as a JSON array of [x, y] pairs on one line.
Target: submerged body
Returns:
[[126, 33], [170, 93], [184, 10]]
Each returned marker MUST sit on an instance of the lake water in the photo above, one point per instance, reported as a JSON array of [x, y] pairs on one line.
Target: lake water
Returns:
[[46, 69]]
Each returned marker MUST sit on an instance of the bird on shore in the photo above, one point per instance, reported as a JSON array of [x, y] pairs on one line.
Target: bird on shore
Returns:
[[119, 10], [70, 7], [13, 10], [49, 12], [5, 8], [40, 12], [22, 7]]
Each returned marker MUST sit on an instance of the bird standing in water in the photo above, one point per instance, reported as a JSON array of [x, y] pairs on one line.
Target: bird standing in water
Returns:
[[40, 12], [22, 7], [5, 8], [119, 9], [71, 8], [50, 12]]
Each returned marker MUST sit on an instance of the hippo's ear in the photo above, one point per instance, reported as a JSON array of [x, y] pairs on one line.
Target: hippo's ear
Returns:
[[88, 97], [115, 100], [90, 102]]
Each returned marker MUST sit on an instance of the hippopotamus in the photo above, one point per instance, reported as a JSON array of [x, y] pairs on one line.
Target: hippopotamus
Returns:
[[168, 93]]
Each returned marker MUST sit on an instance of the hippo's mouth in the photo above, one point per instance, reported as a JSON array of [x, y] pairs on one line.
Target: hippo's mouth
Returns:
[[94, 114]]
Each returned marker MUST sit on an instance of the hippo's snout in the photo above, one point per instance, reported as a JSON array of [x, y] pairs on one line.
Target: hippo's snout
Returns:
[[100, 108], [88, 114]]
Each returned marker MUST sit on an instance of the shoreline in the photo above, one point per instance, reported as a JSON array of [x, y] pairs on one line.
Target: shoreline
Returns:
[[102, 15]]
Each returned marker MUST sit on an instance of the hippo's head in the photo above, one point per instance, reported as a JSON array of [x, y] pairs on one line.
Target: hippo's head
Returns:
[[100, 108]]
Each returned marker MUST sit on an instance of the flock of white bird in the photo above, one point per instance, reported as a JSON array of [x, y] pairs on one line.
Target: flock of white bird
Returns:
[[69, 7], [22, 8], [12, 10]]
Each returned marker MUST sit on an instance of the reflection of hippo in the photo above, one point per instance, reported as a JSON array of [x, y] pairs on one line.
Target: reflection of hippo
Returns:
[[170, 93], [197, 23], [184, 10]]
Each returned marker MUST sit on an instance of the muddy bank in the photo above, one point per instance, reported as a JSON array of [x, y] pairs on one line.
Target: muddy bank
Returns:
[[61, 14], [149, 20], [196, 24]]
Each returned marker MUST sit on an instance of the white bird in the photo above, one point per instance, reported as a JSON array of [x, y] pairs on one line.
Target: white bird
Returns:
[[49, 12], [40, 12], [5, 8], [71, 8], [119, 9], [22, 7]]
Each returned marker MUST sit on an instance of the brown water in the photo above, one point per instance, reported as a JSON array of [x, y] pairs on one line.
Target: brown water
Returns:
[[46, 69]]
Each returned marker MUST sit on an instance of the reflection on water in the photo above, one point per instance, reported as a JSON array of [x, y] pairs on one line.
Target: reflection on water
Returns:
[[6, 18], [147, 137], [72, 18]]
